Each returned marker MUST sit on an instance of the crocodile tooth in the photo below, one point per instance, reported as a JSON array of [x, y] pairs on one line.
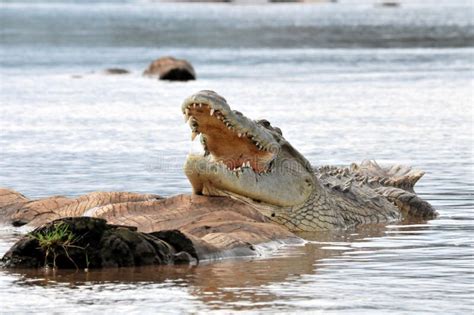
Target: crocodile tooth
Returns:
[[212, 111], [243, 164], [194, 134], [200, 105], [239, 134], [247, 164]]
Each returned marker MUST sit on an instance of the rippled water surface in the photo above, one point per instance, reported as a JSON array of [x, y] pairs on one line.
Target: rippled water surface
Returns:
[[345, 82]]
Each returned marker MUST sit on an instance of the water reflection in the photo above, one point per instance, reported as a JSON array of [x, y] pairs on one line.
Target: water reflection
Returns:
[[316, 276], [226, 282]]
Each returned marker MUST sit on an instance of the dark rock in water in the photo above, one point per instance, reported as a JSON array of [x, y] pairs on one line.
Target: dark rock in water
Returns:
[[389, 4], [180, 229], [171, 69], [83, 242], [116, 71]]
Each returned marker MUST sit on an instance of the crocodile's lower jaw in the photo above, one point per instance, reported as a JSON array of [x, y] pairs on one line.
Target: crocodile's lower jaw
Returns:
[[267, 210], [200, 170]]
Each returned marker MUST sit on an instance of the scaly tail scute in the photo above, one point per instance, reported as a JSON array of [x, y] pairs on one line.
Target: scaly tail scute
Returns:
[[399, 176], [409, 203]]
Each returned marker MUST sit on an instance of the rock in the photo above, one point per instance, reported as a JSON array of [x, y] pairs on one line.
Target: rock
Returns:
[[115, 71], [10, 202], [141, 229], [389, 4], [18, 210], [171, 69], [84, 242]]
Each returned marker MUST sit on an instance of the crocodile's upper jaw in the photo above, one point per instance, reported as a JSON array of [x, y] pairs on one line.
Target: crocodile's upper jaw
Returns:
[[228, 137], [242, 157]]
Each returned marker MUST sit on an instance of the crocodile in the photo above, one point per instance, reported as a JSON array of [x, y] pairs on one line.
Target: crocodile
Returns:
[[251, 191], [252, 162]]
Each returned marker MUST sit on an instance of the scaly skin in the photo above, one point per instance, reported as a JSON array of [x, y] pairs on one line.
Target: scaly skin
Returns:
[[279, 182]]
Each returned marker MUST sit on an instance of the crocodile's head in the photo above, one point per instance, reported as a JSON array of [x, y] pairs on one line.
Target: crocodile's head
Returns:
[[248, 160]]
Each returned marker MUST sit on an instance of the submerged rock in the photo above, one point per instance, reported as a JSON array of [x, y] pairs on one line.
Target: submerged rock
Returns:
[[84, 242], [171, 69], [389, 4], [115, 71]]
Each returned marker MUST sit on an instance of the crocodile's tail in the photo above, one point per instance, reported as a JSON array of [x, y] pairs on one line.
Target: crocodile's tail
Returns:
[[395, 183], [408, 202], [399, 176]]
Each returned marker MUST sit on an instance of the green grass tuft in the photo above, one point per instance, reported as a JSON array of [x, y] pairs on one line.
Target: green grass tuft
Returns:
[[53, 240]]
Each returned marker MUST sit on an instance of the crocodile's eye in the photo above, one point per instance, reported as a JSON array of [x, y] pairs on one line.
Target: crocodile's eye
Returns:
[[265, 123]]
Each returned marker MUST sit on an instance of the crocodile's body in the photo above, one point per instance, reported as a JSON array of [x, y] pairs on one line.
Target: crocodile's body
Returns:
[[350, 196], [252, 162]]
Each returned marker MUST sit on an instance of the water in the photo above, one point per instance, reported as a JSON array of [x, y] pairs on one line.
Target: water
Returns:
[[345, 82]]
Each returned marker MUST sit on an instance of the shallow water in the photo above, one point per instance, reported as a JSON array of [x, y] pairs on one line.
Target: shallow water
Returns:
[[339, 97]]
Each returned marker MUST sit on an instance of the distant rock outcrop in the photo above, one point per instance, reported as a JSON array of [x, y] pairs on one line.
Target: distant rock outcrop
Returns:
[[171, 69]]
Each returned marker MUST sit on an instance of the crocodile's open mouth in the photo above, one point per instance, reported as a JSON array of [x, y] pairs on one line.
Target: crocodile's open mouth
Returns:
[[244, 159], [226, 141]]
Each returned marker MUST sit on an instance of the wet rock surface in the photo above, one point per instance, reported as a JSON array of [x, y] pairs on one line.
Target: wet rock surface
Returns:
[[84, 242], [119, 229]]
